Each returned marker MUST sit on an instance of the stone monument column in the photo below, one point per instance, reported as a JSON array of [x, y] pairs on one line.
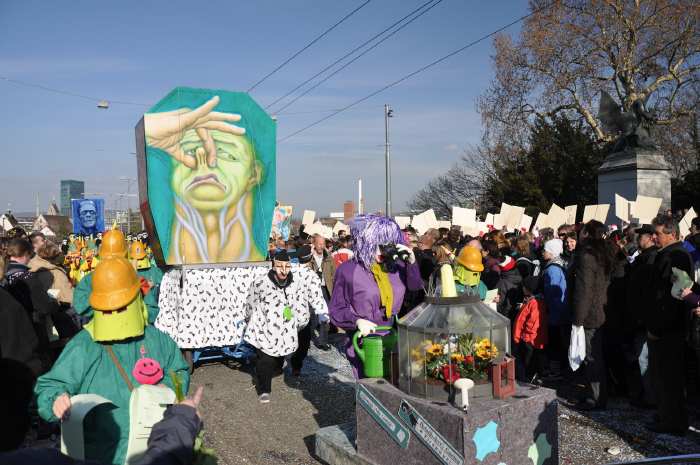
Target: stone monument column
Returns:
[[635, 166], [632, 172]]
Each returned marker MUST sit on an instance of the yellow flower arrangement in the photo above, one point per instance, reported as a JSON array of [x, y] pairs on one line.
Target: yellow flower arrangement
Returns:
[[417, 354], [485, 350], [457, 357], [435, 350]]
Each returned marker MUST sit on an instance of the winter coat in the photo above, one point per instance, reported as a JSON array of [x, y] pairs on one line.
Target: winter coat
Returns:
[[555, 291], [692, 245], [60, 279], [492, 273], [18, 341], [327, 270], [85, 367], [639, 297], [425, 258], [665, 314], [356, 294], [590, 290], [510, 292], [531, 323], [29, 291], [527, 266], [268, 329], [617, 294]]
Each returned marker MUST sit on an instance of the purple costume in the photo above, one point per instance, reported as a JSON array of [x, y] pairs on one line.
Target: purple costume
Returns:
[[356, 295]]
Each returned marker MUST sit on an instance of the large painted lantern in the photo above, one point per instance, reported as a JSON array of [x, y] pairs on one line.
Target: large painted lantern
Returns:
[[207, 177], [447, 338]]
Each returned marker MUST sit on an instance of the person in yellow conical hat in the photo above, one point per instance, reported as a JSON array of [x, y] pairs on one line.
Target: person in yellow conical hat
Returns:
[[468, 266], [116, 351], [138, 256], [113, 245]]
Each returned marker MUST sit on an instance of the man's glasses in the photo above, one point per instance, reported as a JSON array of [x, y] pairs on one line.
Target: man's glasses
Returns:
[[283, 267]]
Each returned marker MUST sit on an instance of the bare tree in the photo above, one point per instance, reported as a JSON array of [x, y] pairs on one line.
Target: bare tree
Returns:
[[570, 50]]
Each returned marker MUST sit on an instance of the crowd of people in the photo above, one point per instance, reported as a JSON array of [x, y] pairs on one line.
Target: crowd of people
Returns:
[[626, 301], [610, 288]]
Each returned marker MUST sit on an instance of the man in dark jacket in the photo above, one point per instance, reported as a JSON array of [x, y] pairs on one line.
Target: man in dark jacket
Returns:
[[638, 301], [666, 326], [28, 289], [17, 337]]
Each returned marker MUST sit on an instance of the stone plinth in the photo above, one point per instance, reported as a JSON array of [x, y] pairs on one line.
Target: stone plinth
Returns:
[[631, 173], [492, 432]]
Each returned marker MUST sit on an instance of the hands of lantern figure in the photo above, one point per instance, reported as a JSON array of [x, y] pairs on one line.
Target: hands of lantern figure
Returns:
[[165, 130]]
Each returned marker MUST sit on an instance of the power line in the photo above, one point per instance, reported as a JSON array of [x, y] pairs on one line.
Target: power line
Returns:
[[348, 54], [65, 92], [264, 78], [418, 71], [288, 104]]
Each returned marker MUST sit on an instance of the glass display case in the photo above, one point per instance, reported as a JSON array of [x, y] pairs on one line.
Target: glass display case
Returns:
[[447, 338]]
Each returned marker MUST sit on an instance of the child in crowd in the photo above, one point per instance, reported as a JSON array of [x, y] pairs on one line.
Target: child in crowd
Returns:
[[530, 332]]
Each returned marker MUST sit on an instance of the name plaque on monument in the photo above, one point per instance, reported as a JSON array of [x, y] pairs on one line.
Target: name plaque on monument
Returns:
[[429, 436], [383, 417]]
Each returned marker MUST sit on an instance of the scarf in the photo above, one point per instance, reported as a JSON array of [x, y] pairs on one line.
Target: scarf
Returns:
[[386, 291], [283, 284]]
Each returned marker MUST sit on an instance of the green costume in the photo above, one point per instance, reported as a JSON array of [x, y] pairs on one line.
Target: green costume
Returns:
[[82, 291], [152, 273], [85, 367], [479, 289]]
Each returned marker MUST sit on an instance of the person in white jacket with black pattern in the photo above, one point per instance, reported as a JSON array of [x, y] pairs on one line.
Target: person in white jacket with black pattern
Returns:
[[278, 307]]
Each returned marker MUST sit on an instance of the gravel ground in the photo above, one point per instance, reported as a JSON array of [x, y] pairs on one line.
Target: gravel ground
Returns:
[[243, 431]]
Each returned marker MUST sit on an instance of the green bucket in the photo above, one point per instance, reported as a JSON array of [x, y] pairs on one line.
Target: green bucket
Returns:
[[375, 352]]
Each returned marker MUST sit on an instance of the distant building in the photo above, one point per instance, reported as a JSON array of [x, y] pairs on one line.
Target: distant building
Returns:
[[348, 210], [70, 189], [53, 225]]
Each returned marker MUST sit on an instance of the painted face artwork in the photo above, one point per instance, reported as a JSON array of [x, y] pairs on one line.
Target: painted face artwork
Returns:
[[88, 216], [147, 370], [210, 176]]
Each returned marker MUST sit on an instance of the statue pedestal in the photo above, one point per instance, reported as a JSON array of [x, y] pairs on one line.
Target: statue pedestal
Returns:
[[394, 428], [631, 173]]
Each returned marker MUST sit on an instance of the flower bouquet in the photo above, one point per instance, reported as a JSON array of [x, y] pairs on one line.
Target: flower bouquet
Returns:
[[454, 357]]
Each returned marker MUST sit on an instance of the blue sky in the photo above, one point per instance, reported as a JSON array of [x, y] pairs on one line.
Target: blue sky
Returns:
[[137, 51]]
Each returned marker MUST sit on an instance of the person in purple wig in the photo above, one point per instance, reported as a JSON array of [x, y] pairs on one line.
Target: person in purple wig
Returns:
[[367, 292]]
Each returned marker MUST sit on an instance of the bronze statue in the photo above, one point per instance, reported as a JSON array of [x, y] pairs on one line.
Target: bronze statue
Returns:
[[633, 126]]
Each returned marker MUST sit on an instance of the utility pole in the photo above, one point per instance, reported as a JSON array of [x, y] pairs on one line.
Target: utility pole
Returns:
[[360, 200], [128, 202], [388, 113]]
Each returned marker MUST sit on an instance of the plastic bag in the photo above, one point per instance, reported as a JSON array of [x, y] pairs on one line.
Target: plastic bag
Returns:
[[577, 348], [680, 280]]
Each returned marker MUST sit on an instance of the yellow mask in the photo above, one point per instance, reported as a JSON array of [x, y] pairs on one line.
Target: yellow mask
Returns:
[[119, 325], [467, 277]]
